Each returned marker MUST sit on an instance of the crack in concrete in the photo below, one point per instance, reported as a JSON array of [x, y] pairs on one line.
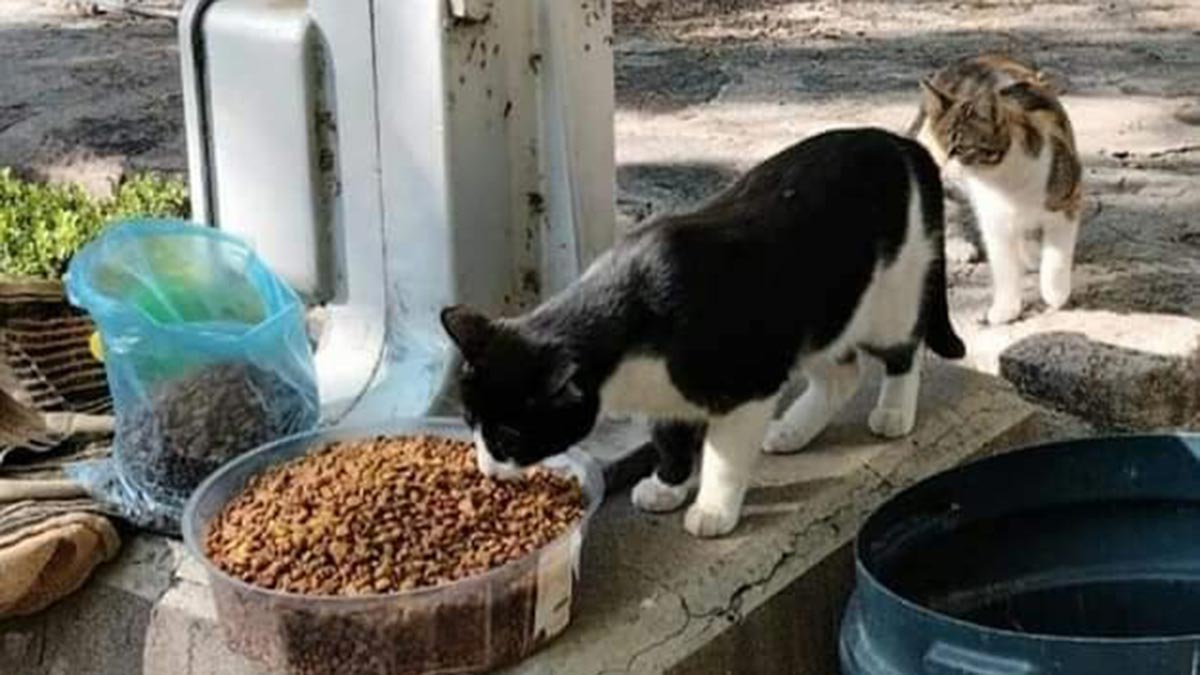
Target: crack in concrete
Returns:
[[173, 579], [191, 648], [42, 641], [646, 649], [955, 427], [876, 474], [731, 611], [666, 639]]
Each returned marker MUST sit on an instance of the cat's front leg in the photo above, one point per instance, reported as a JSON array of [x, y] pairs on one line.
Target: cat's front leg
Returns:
[[1002, 240], [895, 412], [1058, 254], [668, 487], [731, 449], [830, 385]]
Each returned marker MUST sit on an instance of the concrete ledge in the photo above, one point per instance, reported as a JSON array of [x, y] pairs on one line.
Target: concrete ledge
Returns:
[[653, 599]]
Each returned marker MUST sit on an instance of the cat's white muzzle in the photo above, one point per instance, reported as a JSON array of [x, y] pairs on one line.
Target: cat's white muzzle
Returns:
[[490, 466]]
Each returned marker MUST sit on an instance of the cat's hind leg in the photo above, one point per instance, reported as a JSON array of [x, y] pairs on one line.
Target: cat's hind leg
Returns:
[[668, 487], [1058, 254], [895, 412], [830, 385], [730, 452]]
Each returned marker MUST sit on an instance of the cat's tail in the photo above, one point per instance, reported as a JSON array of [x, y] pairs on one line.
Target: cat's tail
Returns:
[[935, 310], [939, 332]]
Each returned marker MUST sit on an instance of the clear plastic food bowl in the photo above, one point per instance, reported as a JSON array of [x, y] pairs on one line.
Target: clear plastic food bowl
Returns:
[[472, 625]]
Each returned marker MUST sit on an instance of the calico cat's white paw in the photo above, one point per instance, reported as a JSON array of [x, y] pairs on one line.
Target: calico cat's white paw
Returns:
[[1056, 289], [655, 496], [891, 422], [1002, 312], [707, 521]]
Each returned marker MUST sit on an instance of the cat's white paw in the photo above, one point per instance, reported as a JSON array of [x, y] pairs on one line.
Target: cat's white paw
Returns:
[[1056, 291], [891, 422], [783, 439], [707, 521], [655, 496], [1002, 312], [808, 415]]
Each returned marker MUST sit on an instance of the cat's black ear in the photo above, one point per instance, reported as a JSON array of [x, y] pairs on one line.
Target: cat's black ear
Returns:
[[936, 100], [469, 329]]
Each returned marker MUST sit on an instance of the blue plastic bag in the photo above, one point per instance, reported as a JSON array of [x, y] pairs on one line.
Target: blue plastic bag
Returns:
[[206, 355]]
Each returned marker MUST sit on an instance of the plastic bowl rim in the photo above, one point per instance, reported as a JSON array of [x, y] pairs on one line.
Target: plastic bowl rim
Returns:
[[865, 575]]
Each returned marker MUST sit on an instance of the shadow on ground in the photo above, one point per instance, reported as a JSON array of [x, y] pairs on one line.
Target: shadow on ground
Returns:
[[90, 92], [673, 74]]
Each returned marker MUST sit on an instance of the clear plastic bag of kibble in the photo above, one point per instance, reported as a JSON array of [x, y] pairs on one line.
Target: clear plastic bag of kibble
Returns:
[[206, 354]]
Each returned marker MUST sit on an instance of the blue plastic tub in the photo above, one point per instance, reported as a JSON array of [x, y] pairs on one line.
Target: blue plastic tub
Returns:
[[1079, 558]]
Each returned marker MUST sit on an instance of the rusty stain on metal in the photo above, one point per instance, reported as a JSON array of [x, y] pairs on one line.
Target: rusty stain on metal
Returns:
[[531, 282]]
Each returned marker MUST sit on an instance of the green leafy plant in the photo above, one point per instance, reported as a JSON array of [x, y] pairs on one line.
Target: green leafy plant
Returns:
[[41, 226]]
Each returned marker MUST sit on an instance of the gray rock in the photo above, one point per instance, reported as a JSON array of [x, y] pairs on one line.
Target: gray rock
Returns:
[[1110, 385]]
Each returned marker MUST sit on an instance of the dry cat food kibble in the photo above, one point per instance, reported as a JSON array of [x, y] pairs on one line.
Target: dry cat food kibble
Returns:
[[386, 515]]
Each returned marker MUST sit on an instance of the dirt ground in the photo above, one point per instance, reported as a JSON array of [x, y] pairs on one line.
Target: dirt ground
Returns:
[[706, 88], [85, 97]]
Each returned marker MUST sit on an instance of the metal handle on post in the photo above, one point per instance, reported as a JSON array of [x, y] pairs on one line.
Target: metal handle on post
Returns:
[[352, 349]]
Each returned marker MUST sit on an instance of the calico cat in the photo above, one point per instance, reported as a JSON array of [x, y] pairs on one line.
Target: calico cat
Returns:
[[997, 125], [829, 248]]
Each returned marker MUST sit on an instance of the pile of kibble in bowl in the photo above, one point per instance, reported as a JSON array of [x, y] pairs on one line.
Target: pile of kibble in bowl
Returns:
[[385, 515]]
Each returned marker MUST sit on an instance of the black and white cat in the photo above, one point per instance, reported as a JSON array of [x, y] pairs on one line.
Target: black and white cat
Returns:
[[830, 248]]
